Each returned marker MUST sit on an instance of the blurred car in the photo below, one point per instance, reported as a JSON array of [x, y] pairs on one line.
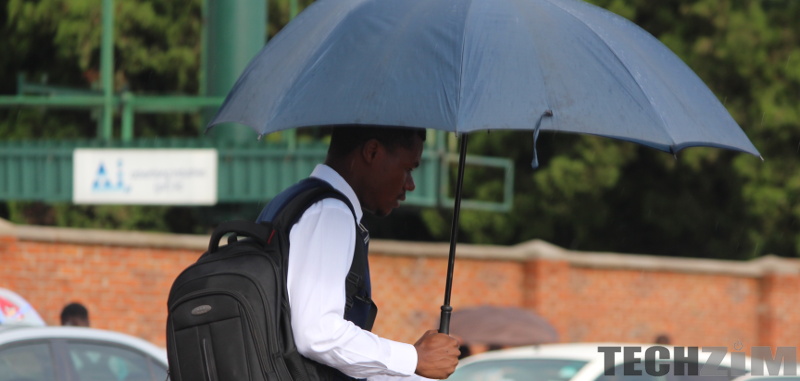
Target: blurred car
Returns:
[[587, 362], [31, 353], [779, 370], [14, 309], [750, 377]]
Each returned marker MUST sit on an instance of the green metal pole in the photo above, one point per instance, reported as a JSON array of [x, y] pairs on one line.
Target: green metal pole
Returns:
[[236, 33], [107, 69], [127, 116], [292, 9], [203, 75], [65, 101]]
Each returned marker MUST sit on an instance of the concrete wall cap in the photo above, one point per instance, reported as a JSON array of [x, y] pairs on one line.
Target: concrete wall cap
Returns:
[[658, 263], [773, 264], [534, 249], [538, 249], [442, 250], [7, 228], [111, 237]]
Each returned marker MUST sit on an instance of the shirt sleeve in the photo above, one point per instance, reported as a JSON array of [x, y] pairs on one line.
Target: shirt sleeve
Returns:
[[320, 253]]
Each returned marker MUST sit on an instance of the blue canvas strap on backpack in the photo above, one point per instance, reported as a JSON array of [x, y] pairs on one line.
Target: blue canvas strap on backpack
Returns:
[[359, 307], [228, 313]]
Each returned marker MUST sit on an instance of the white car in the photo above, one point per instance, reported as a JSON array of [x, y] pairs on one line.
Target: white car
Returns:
[[751, 377], [31, 353], [602, 362], [777, 371]]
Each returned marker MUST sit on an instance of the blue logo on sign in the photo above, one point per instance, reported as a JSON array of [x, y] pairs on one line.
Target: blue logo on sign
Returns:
[[104, 183]]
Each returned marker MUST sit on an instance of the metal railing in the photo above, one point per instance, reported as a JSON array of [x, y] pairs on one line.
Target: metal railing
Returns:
[[42, 170]]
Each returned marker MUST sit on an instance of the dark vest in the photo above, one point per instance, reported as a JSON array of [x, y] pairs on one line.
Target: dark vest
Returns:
[[359, 307]]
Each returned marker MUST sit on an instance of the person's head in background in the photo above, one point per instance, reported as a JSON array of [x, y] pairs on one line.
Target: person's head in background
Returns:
[[75, 314]]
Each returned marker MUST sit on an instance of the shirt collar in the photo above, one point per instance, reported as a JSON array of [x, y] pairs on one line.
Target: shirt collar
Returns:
[[328, 174]]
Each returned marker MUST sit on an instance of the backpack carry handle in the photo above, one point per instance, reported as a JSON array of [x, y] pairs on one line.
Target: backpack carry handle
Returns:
[[258, 232]]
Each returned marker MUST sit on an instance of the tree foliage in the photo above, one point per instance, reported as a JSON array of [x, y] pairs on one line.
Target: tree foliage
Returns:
[[588, 194], [157, 47]]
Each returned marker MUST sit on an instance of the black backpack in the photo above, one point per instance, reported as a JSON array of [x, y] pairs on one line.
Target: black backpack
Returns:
[[229, 315]]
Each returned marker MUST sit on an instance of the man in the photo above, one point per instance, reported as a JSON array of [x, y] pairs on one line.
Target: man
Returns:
[[373, 167], [75, 314]]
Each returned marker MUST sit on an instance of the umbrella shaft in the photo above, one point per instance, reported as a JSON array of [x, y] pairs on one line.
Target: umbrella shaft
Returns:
[[444, 323]]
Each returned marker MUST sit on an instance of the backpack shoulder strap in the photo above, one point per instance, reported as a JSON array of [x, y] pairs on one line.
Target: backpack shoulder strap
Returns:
[[288, 206], [281, 213]]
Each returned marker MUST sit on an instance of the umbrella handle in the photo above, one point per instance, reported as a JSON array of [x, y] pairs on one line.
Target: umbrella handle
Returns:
[[444, 323]]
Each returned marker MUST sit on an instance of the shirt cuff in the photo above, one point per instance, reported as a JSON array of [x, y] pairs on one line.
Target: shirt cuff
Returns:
[[403, 359]]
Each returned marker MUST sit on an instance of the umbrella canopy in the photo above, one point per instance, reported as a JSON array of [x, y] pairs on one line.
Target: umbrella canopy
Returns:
[[503, 326], [467, 65]]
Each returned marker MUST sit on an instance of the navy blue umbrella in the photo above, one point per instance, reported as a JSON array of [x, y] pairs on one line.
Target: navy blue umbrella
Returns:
[[469, 65]]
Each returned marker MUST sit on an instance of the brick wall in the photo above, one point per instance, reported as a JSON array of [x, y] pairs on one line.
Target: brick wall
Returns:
[[124, 278]]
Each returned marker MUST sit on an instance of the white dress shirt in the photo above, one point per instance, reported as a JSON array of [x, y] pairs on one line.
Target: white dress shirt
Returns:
[[320, 253]]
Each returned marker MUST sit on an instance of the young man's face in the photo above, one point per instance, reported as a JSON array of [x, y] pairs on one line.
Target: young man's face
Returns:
[[391, 177]]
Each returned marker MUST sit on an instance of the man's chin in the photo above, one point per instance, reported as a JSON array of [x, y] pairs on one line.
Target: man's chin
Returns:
[[383, 213], [380, 212]]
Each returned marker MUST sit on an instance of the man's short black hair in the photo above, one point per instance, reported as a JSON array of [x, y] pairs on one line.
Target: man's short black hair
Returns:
[[346, 138], [74, 310]]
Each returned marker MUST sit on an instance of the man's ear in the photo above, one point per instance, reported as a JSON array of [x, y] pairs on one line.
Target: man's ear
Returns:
[[370, 150]]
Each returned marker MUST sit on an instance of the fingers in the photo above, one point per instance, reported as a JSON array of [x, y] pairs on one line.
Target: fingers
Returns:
[[437, 355]]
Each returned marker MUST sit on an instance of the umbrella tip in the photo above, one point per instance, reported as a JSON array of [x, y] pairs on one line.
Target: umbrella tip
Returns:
[[674, 152], [535, 162]]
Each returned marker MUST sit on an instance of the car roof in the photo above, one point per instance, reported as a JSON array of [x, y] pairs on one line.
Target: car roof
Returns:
[[575, 351], [17, 332], [752, 377], [572, 351]]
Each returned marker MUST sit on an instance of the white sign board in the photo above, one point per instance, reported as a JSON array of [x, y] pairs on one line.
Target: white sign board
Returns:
[[144, 176]]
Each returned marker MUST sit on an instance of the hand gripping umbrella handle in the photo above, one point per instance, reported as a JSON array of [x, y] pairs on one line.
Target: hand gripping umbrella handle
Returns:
[[444, 323]]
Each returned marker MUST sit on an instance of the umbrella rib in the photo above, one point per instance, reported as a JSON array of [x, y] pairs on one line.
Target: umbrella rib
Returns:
[[319, 53], [663, 129], [549, 109], [459, 86]]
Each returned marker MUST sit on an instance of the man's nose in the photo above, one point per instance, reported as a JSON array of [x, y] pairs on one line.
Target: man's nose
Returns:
[[410, 186]]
